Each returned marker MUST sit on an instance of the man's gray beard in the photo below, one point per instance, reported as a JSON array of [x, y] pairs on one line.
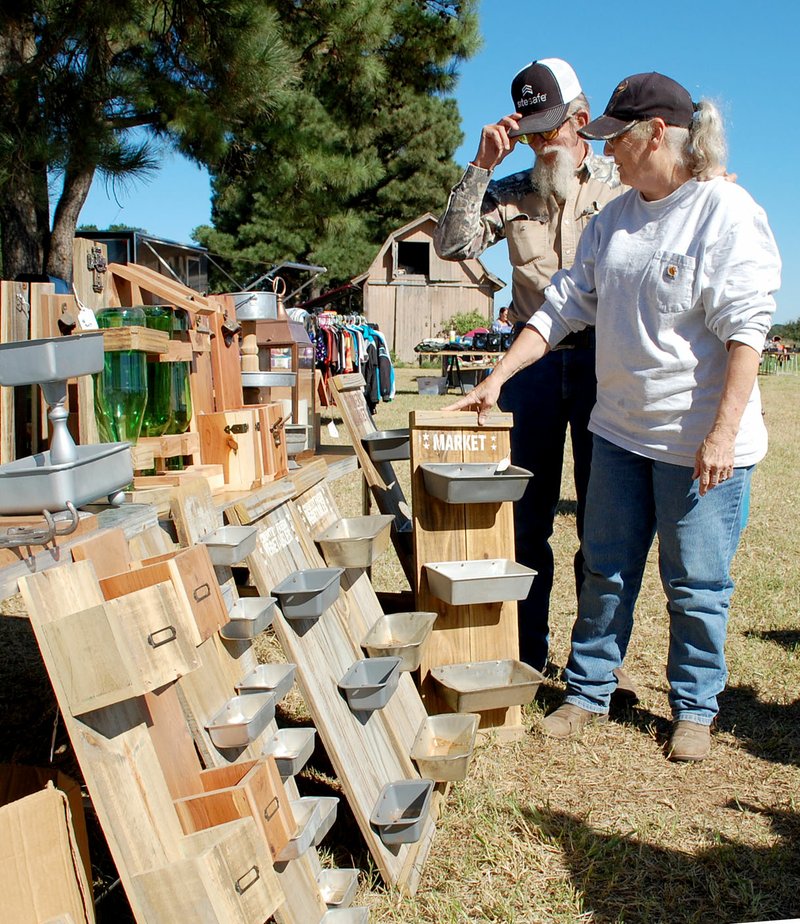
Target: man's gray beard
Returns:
[[556, 177]]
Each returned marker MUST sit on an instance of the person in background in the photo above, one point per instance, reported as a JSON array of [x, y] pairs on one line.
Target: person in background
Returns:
[[501, 324], [678, 275], [541, 213]]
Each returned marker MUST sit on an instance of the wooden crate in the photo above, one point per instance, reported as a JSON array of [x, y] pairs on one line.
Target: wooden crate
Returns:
[[249, 789], [232, 439]]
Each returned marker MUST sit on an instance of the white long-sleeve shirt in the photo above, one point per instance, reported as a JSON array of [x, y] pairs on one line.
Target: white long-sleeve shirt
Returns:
[[667, 284]]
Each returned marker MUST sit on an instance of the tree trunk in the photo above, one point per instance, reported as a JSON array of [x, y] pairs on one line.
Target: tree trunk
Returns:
[[65, 220], [21, 236]]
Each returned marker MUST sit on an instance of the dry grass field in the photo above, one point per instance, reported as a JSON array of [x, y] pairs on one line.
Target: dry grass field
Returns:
[[604, 829]]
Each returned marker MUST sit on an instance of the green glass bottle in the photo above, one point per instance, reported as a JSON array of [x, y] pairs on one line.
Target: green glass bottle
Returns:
[[158, 411], [120, 390], [181, 395]]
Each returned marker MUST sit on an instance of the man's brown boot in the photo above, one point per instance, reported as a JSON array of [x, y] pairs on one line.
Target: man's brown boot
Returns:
[[688, 741], [568, 720]]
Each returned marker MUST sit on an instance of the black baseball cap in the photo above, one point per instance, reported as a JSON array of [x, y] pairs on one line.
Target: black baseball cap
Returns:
[[542, 92], [637, 99]]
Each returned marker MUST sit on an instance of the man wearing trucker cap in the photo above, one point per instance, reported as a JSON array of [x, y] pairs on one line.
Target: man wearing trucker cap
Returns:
[[540, 213]]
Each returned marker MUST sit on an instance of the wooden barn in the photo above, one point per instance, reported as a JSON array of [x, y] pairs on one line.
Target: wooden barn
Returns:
[[409, 292]]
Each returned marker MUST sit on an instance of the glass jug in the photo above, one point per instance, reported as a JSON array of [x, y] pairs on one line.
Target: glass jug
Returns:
[[120, 390], [158, 411]]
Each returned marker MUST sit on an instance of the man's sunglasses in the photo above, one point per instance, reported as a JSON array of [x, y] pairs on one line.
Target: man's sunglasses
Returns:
[[544, 136]]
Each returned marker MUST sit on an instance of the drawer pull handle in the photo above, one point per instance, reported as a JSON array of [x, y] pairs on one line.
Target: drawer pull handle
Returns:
[[272, 808], [255, 876], [203, 592], [171, 635]]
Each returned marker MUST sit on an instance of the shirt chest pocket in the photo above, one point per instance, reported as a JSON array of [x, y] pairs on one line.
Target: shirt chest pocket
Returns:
[[528, 240], [672, 279]]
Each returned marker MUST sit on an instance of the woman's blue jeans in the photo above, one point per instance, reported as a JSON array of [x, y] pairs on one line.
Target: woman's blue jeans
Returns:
[[631, 499]]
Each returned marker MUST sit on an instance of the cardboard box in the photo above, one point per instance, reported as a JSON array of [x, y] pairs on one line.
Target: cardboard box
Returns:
[[41, 873]]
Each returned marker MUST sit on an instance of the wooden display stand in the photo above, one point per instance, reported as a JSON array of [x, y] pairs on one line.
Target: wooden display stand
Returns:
[[463, 532]]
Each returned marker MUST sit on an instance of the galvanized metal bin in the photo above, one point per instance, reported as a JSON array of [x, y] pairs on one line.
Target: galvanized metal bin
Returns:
[[269, 678], [400, 635], [480, 685], [248, 618], [291, 748], [474, 482], [338, 886], [368, 684], [388, 445], [400, 812], [444, 745], [230, 545], [241, 720], [51, 359], [356, 542], [486, 581], [307, 594]]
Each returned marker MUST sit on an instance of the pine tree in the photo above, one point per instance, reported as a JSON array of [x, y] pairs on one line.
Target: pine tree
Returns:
[[359, 144], [88, 86]]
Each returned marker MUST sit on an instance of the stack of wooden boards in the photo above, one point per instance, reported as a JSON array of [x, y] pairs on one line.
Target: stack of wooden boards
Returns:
[[139, 666]]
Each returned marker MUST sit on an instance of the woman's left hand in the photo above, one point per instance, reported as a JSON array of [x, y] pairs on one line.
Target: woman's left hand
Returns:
[[713, 462]]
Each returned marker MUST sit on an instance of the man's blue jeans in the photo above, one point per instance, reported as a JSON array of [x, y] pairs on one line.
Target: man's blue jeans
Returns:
[[631, 499], [558, 390]]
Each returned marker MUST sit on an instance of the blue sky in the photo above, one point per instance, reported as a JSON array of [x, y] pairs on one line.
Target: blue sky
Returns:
[[741, 55]]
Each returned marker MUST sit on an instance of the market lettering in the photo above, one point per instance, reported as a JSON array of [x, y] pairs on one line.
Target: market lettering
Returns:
[[315, 509], [277, 537], [454, 442]]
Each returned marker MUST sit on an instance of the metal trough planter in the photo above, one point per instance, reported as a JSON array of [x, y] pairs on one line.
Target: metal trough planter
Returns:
[[400, 635], [241, 720], [296, 438], [491, 580], [481, 685], [230, 545], [356, 542], [52, 359], [474, 482], [444, 746], [388, 445], [268, 379], [306, 813], [338, 886], [307, 594], [328, 807], [268, 678], [291, 748], [35, 483], [368, 684], [248, 618], [400, 812]]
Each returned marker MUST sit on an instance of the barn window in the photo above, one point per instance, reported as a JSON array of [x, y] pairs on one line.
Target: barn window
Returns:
[[413, 258]]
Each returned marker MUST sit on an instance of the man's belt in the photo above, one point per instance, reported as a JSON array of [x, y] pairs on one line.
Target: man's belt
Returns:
[[577, 340]]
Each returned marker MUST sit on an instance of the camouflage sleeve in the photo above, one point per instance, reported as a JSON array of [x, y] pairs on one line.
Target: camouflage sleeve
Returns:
[[472, 220]]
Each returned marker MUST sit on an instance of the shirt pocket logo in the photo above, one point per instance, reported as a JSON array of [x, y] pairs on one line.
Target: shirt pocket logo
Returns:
[[672, 278]]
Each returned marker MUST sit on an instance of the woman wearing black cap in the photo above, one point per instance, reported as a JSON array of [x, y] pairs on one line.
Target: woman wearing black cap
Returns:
[[678, 277]]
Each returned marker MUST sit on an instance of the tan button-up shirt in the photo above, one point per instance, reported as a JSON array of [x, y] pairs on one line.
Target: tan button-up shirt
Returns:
[[542, 233]]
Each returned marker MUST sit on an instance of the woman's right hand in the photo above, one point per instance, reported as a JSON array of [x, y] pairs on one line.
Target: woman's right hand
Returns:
[[483, 398]]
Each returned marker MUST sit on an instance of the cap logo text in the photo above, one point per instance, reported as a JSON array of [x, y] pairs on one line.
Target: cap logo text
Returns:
[[529, 98]]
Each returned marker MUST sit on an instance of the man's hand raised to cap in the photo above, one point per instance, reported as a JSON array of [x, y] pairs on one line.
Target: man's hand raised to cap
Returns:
[[495, 144]]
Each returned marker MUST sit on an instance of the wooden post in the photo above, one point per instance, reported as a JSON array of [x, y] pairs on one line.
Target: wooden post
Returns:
[[463, 532]]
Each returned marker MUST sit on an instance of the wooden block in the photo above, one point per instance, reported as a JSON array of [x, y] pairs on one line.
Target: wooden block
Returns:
[[273, 440], [201, 376], [193, 512], [142, 457], [171, 445], [144, 339], [178, 351], [195, 583], [108, 551], [252, 788], [232, 439], [173, 742], [14, 327], [120, 649], [226, 363], [226, 878]]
